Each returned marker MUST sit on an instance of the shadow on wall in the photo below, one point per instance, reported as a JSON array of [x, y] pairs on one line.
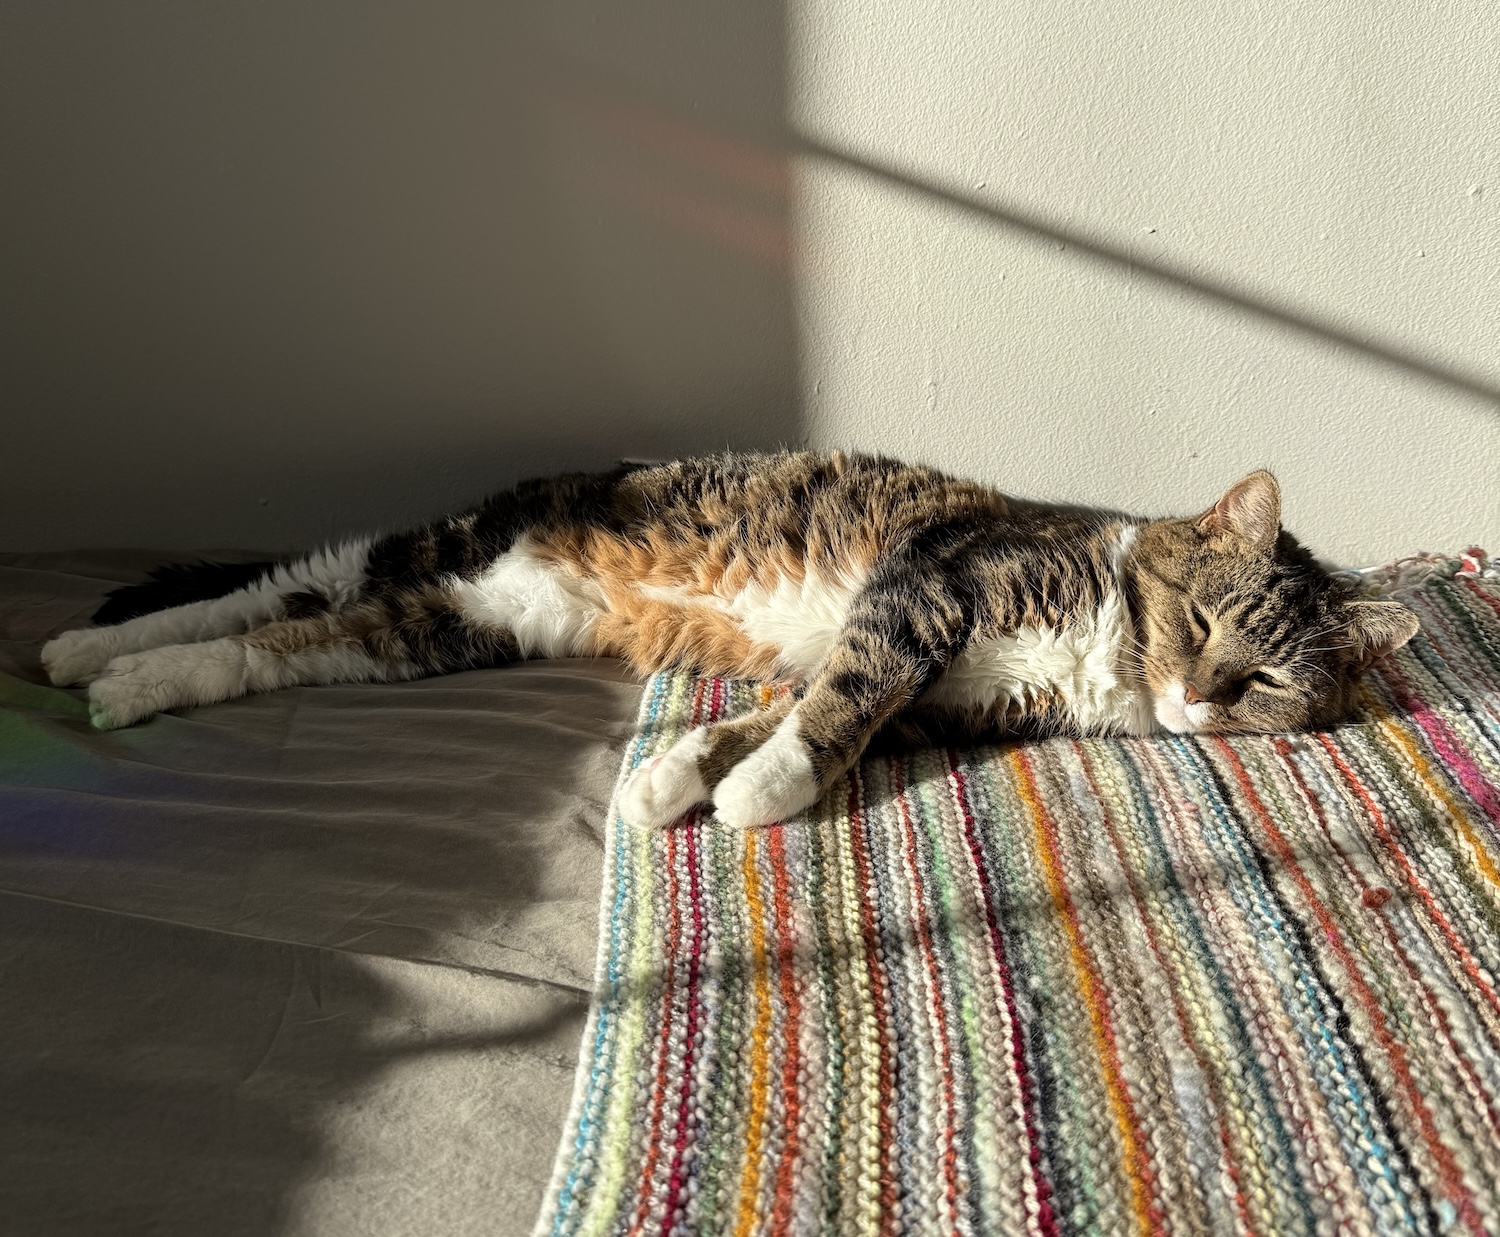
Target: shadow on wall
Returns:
[[281, 272], [1036, 228]]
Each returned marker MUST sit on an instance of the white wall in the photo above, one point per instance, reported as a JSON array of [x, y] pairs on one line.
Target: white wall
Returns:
[[274, 271], [277, 271], [1336, 163]]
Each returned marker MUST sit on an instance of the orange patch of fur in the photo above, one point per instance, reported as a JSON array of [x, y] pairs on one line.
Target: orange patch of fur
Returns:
[[652, 632]]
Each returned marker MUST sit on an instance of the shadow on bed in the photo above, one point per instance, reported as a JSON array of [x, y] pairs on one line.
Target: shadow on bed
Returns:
[[309, 962]]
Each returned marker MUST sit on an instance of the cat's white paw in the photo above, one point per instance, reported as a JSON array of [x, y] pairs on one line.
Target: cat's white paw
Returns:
[[661, 789], [130, 690], [77, 657], [772, 783]]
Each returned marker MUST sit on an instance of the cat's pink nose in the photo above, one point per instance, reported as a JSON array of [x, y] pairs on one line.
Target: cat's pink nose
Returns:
[[1192, 695]]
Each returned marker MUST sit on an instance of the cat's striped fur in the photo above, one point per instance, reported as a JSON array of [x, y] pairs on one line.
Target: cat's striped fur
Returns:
[[905, 604]]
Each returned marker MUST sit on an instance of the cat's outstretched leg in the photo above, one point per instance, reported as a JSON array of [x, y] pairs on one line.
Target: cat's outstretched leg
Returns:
[[78, 657], [283, 654], [404, 636], [326, 579], [902, 631]]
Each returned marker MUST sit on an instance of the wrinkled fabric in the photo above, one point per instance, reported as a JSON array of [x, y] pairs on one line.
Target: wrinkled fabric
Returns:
[[309, 962]]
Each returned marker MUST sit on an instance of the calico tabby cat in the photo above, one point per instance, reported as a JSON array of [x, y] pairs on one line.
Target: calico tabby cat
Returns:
[[905, 604]]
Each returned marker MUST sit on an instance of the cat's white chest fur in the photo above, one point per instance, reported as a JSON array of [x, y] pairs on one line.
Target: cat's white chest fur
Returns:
[[1084, 668], [1081, 667]]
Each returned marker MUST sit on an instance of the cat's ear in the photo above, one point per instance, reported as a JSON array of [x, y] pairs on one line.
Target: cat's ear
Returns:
[[1378, 628], [1249, 512]]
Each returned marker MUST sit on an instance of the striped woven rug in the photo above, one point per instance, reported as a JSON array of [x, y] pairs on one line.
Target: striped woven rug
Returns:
[[1117, 986]]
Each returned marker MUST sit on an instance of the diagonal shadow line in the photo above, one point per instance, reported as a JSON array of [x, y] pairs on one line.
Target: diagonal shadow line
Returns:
[[1118, 258]]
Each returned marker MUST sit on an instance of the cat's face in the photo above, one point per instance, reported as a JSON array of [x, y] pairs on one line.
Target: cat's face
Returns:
[[1242, 631]]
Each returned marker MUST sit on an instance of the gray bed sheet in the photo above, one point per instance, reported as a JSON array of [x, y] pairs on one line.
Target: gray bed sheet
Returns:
[[314, 962]]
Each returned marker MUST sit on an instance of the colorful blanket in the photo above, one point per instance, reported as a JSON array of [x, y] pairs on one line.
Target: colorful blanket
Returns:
[[1209, 985]]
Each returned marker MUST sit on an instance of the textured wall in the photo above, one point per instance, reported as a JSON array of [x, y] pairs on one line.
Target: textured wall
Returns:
[[1040, 240], [277, 270]]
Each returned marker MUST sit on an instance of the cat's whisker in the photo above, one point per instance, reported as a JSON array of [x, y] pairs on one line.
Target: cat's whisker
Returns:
[[1325, 674]]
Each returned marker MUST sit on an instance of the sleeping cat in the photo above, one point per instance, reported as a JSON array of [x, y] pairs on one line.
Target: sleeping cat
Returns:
[[906, 605]]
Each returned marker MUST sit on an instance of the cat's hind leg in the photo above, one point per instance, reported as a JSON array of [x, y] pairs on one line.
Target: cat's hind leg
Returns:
[[326, 579], [78, 657], [280, 654], [401, 637]]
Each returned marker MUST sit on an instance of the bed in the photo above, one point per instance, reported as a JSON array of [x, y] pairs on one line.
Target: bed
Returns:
[[312, 962], [322, 961]]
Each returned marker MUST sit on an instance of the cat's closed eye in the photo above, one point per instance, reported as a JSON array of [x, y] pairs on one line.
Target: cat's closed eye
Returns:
[[1198, 624]]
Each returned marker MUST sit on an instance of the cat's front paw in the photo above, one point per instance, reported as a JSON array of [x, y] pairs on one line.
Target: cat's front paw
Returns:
[[661, 789], [127, 692], [77, 657], [774, 782]]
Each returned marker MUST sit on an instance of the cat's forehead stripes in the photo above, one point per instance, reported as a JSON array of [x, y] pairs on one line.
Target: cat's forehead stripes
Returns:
[[1272, 613]]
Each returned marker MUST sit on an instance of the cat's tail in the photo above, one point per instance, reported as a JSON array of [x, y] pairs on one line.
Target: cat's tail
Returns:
[[177, 584]]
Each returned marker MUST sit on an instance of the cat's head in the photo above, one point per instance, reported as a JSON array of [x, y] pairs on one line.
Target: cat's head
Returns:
[[1241, 630]]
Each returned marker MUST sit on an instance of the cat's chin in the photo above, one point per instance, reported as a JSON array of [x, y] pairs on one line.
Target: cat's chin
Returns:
[[1174, 713]]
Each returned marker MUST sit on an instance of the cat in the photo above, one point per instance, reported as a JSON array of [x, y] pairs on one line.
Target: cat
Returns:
[[907, 607]]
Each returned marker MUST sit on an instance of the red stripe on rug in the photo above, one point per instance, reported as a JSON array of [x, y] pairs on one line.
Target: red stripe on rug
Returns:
[[880, 995], [786, 965], [1046, 1221], [940, 1017]]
